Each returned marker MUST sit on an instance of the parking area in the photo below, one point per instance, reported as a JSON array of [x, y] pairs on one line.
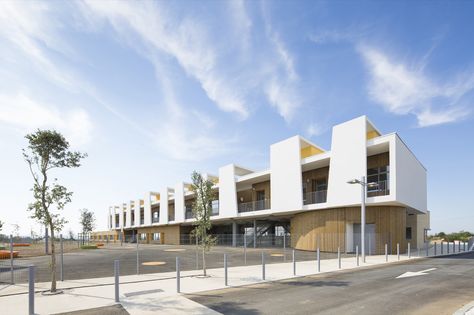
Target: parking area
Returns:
[[94, 263]]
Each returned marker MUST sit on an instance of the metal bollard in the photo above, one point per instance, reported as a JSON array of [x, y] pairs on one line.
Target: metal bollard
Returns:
[[116, 276], [318, 259], [447, 247], [427, 249], [294, 263], [398, 251], [435, 250], [409, 250], [386, 253], [178, 277], [225, 270], [442, 247], [454, 247], [263, 266], [357, 255], [62, 256], [284, 248], [339, 256], [138, 262], [12, 279], [31, 290]]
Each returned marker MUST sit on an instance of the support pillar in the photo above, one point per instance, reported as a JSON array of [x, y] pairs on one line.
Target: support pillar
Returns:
[[234, 234], [254, 233]]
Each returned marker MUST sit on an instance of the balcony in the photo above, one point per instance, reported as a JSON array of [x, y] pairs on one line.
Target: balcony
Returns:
[[312, 197], [254, 205], [155, 219], [142, 221], [381, 189]]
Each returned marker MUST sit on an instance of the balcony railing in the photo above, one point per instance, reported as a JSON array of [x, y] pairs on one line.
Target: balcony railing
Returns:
[[155, 219], [189, 213], [254, 205], [382, 189], [142, 221], [117, 225], [311, 197]]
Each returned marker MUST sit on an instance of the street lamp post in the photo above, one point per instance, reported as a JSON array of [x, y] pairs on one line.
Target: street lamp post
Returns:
[[363, 186]]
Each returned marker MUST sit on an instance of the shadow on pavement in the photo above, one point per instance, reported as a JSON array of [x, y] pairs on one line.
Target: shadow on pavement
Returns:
[[116, 309]]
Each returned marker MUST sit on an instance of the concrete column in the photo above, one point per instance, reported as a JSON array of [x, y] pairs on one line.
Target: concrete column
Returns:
[[254, 233], [234, 234]]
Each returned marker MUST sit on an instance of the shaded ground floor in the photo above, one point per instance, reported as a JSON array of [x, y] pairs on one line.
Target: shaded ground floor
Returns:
[[330, 230]]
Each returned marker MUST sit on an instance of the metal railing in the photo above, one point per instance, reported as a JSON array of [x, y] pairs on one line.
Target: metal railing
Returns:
[[155, 220], [254, 205], [311, 197], [382, 189]]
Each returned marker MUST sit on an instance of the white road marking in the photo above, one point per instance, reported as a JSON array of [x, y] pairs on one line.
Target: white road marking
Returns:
[[414, 274]]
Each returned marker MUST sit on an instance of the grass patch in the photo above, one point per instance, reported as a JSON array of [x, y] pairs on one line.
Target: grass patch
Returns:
[[88, 246]]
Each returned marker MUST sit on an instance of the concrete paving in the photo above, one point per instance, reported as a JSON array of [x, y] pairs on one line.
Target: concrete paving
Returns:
[[445, 285], [156, 293]]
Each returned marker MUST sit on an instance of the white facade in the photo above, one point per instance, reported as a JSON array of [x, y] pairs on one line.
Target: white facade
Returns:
[[352, 143]]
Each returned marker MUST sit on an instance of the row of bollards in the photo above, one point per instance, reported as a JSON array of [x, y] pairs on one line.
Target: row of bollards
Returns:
[[226, 281]]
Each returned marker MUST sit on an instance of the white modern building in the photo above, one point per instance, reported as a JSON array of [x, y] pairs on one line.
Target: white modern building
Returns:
[[304, 194]]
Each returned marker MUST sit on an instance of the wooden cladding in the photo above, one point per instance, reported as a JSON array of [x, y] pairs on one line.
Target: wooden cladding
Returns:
[[251, 194], [319, 173], [378, 160], [328, 228], [169, 234]]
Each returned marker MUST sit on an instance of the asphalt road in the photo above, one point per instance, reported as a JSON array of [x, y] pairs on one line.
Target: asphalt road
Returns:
[[94, 263], [368, 291]]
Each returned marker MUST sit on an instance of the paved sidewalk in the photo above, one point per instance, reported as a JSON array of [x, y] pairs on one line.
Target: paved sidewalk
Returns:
[[156, 293]]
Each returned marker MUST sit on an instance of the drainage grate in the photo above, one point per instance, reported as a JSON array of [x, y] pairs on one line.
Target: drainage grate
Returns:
[[142, 292]]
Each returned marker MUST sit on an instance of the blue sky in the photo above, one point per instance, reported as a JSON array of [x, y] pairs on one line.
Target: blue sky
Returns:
[[154, 90]]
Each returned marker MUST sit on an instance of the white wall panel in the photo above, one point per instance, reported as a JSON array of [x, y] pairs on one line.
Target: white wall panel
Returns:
[[410, 178], [147, 208], [227, 191], [348, 161], [179, 202], [285, 177], [128, 215], [164, 206]]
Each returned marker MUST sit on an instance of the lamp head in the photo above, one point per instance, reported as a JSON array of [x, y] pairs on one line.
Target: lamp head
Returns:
[[354, 181]]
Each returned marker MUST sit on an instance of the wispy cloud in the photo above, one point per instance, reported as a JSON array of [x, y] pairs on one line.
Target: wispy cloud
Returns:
[[403, 89], [25, 114], [185, 40]]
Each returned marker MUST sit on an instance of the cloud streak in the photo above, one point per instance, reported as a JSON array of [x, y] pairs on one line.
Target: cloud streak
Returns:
[[25, 114], [403, 90]]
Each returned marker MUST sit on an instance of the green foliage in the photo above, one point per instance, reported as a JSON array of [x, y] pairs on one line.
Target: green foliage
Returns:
[[87, 221], [48, 150], [89, 247], [456, 236], [202, 209], [1, 225]]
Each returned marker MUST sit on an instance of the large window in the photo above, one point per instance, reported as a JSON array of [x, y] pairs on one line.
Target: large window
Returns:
[[380, 176], [408, 233]]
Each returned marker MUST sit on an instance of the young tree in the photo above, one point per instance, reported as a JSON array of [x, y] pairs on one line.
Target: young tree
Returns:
[[87, 222], [202, 208], [48, 150]]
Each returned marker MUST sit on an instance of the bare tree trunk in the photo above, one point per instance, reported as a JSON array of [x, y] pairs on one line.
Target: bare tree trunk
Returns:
[[53, 261]]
